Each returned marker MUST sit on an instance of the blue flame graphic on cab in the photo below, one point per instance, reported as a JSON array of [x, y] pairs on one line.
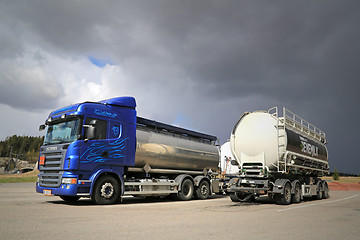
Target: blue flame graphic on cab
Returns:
[[94, 152]]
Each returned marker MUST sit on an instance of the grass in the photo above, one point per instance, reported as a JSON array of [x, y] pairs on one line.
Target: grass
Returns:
[[17, 178], [344, 179]]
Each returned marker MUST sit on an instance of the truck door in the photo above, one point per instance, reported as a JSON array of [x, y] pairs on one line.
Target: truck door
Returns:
[[95, 152], [117, 143]]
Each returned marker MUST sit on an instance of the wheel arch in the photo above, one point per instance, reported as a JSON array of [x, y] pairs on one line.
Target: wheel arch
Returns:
[[180, 178], [102, 173], [279, 185], [199, 179]]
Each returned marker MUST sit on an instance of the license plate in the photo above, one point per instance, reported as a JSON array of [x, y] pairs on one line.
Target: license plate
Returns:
[[47, 192]]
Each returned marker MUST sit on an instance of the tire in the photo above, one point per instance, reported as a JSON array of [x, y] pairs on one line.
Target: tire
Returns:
[[319, 191], [325, 194], [70, 199], [203, 190], [106, 190], [285, 198], [187, 190], [296, 198], [235, 197], [241, 197]]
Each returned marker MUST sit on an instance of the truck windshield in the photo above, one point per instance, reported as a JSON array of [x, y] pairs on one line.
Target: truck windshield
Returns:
[[62, 132]]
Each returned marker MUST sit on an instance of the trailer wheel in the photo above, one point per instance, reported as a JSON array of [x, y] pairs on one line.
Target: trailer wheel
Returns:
[[203, 190], [325, 187], [70, 199], [106, 190], [319, 191], [187, 190], [284, 199], [296, 198]]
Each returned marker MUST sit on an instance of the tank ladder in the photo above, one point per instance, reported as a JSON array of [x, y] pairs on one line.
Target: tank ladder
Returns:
[[280, 131]]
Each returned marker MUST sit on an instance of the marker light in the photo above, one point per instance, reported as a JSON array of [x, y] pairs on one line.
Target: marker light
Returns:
[[42, 160]]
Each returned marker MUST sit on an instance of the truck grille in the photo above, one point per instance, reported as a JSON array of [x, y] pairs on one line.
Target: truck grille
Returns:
[[51, 171]]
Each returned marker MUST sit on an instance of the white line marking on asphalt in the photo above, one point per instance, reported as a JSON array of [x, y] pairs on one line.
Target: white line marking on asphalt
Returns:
[[162, 203], [320, 203]]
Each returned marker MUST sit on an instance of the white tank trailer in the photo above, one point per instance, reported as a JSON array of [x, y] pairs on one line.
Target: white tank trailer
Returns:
[[226, 157], [281, 156]]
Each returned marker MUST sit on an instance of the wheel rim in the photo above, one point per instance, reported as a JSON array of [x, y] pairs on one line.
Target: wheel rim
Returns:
[[107, 190], [319, 191], [204, 190], [297, 196], [297, 192], [326, 191], [287, 193], [186, 190]]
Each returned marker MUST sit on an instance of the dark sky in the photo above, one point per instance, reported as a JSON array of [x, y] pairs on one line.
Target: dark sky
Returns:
[[196, 64]]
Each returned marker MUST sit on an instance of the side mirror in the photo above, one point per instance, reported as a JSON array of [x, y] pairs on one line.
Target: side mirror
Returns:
[[42, 127], [90, 131], [234, 163]]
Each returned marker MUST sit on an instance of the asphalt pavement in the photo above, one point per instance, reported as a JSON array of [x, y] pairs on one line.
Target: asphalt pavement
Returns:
[[26, 214]]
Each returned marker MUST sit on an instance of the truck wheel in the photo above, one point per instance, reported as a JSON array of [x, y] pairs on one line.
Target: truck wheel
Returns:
[[284, 199], [70, 199], [319, 191], [296, 198], [187, 190], [325, 194], [106, 190], [203, 191]]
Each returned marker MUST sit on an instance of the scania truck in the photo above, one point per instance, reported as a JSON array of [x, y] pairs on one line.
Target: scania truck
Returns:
[[104, 151]]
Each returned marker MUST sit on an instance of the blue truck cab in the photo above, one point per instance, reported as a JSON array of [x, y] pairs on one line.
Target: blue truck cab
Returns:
[[88, 143]]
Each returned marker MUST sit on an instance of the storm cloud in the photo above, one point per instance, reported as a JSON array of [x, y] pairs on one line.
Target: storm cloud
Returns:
[[196, 64]]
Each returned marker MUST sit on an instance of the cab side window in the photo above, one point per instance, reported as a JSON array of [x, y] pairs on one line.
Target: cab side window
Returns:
[[101, 127]]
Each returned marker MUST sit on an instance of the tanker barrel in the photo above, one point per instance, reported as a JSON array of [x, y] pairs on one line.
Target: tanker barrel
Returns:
[[162, 146], [278, 143]]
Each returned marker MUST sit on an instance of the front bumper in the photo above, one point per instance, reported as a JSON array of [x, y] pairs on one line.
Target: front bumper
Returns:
[[249, 185], [63, 190], [82, 188]]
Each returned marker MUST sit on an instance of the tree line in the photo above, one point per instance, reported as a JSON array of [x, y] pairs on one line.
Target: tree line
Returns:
[[21, 147]]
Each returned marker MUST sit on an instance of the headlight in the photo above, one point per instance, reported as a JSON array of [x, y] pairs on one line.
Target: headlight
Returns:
[[69, 180]]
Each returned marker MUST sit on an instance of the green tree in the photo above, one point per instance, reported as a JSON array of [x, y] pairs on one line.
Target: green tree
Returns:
[[336, 175], [25, 147]]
